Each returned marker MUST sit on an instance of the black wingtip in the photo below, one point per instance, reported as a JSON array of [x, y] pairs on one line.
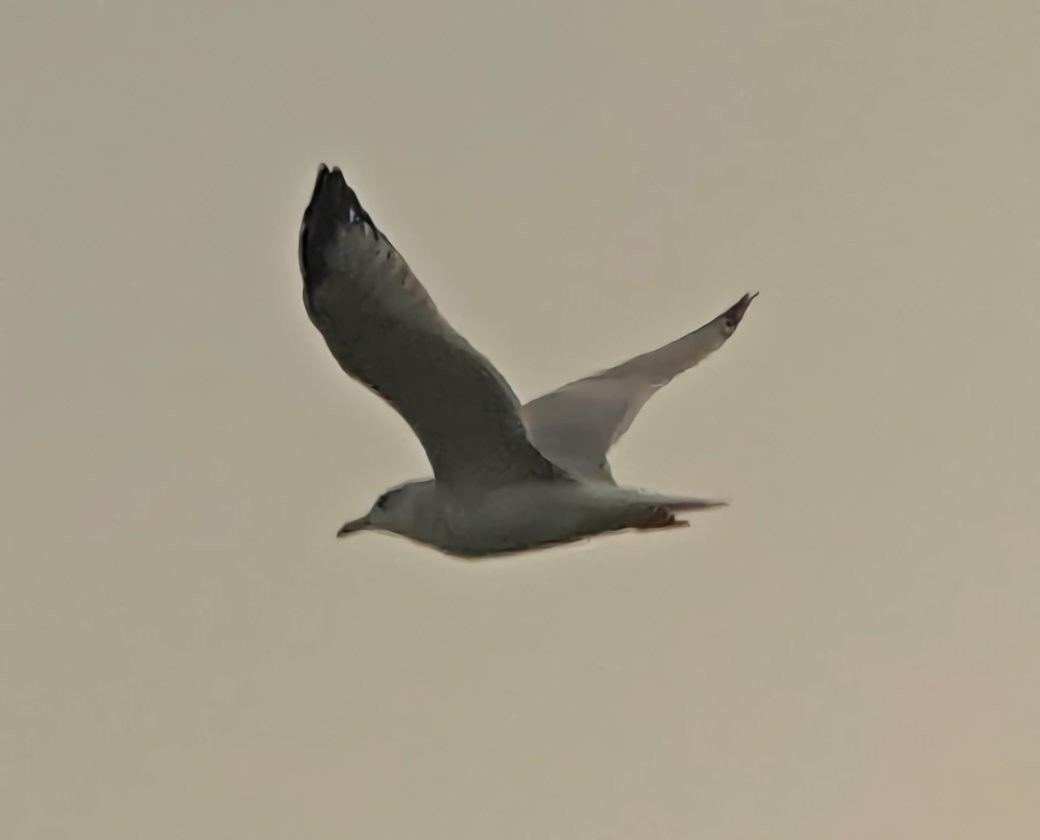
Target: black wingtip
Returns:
[[735, 313], [319, 182], [333, 205], [334, 201], [332, 198]]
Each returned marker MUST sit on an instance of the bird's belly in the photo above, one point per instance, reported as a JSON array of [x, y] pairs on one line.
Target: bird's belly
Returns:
[[528, 516]]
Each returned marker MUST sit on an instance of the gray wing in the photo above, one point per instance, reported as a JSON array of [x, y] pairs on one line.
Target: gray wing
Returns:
[[384, 330], [575, 426]]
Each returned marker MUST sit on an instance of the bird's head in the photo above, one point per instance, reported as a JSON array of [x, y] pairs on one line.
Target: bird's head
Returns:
[[397, 510]]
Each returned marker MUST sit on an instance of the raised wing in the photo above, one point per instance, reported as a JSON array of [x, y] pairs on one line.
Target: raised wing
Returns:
[[575, 426], [384, 330]]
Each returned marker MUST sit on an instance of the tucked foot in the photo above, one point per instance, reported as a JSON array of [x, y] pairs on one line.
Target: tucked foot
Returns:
[[655, 516]]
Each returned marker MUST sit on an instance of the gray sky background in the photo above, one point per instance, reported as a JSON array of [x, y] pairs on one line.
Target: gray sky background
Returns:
[[849, 651]]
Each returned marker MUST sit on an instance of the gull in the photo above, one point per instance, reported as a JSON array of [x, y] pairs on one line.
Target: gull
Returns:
[[506, 478]]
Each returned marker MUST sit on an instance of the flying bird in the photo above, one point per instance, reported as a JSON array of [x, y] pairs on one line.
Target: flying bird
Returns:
[[506, 478]]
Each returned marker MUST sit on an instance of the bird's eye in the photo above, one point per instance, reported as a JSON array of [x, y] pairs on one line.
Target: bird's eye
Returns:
[[381, 501]]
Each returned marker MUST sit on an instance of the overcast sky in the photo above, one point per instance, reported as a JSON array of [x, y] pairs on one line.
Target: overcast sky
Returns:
[[848, 651]]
